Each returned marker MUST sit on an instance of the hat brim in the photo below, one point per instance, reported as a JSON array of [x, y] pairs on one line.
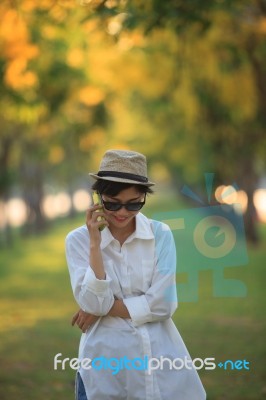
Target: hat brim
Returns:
[[122, 180]]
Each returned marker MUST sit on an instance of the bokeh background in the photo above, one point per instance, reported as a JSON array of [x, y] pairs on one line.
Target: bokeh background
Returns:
[[183, 82]]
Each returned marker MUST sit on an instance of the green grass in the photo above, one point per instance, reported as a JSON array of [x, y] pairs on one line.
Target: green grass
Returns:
[[37, 305]]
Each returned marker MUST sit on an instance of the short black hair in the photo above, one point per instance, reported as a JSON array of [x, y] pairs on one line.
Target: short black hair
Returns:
[[112, 188]]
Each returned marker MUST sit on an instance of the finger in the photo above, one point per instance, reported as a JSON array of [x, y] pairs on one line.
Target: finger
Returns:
[[93, 214], [94, 207], [74, 318], [100, 223], [85, 326], [90, 211], [98, 219], [83, 316], [82, 324], [97, 214], [79, 322], [88, 322]]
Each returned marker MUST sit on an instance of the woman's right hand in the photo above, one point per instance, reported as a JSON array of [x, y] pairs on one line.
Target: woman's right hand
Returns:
[[93, 225]]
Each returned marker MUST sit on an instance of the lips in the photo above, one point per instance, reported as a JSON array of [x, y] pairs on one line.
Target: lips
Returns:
[[120, 219]]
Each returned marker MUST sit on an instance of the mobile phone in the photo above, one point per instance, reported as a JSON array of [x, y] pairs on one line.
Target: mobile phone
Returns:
[[96, 198]]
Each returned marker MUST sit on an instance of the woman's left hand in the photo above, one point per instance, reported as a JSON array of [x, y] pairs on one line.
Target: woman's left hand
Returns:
[[84, 320]]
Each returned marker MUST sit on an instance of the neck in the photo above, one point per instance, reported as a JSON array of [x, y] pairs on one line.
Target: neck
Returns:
[[122, 234]]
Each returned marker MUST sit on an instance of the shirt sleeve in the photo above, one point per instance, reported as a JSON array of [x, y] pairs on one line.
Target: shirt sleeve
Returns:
[[160, 300], [92, 295]]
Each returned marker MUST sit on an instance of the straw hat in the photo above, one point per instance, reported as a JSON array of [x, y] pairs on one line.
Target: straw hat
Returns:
[[123, 166]]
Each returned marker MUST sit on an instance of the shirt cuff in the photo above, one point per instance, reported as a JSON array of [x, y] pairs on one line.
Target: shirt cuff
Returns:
[[138, 309], [99, 287]]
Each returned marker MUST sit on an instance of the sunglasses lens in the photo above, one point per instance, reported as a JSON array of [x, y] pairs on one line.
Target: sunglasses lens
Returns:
[[111, 206], [134, 206]]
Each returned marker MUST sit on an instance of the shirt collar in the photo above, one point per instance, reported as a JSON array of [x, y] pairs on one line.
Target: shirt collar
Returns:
[[107, 238], [143, 231], [143, 228]]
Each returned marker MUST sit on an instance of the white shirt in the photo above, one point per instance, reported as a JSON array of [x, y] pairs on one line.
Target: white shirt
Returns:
[[142, 273]]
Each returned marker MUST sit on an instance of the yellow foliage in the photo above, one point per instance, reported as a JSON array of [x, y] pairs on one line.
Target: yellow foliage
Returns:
[[28, 5], [49, 31], [91, 25], [239, 92], [120, 146], [19, 49], [17, 77], [92, 139], [205, 61], [126, 123], [56, 154], [115, 24], [91, 95], [146, 6], [131, 72], [75, 58], [58, 13], [261, 27], [177, 154], [44, 131], [68, 4], [128, 40], [24, 114], [160, 173], [111, 3], [91, 3], [13, 27], [16, 48], [45, 4]]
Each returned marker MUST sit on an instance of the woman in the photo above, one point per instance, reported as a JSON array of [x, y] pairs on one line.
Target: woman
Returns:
[[123, 279]]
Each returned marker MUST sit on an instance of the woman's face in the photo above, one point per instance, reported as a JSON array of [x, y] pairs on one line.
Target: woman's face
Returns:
[[123, 218]]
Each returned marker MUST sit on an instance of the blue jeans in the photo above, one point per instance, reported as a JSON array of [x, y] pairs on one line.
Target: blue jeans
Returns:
[[80, 393]]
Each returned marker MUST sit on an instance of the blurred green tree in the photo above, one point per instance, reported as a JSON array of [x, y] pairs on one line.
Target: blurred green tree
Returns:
[[202, 87], [183, 82], [48, 103]]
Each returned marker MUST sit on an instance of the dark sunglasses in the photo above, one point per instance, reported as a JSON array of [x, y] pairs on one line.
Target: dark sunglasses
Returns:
[[113, 206]]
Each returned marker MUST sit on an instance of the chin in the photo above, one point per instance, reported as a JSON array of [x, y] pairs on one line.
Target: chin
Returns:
[[121, 222]]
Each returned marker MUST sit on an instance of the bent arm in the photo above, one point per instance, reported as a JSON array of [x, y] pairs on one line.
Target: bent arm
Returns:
[[160, 300], [93, 295], [119, 310]]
